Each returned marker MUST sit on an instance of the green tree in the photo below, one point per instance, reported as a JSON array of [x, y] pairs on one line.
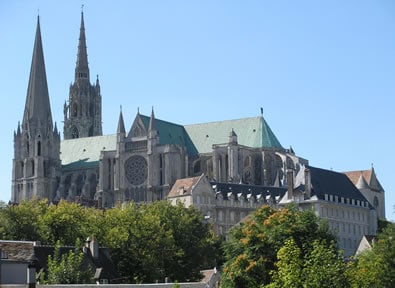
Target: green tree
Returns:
[[67, 221], [289, 265], [68, 267], [152, 241], [324, 267], [20, 222], [376, 267], [251, 252]]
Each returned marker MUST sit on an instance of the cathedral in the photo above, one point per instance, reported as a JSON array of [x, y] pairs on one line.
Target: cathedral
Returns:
[[141, 163], [226, 169]]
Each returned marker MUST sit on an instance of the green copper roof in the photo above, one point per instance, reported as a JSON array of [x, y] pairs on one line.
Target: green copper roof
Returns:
[[85, 152], [170, 133], [252, 132]]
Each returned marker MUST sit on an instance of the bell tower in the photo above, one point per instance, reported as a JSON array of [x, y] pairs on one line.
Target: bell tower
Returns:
[[36, 163], [82, 113]]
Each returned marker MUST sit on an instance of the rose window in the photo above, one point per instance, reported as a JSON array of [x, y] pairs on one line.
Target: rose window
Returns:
[[136, 170]]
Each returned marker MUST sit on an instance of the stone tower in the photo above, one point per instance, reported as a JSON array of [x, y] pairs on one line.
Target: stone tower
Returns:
[[36, 163], [82, 115]]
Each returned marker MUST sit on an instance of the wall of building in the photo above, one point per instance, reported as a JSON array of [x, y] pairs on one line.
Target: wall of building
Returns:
[[13, 272]]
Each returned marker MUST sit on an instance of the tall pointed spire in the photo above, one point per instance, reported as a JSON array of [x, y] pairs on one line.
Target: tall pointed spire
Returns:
[[36, 163], [82, 116], [37, 108], [82, 69]]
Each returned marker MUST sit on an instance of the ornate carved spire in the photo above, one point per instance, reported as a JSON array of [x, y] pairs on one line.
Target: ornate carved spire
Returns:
[[82, 69]]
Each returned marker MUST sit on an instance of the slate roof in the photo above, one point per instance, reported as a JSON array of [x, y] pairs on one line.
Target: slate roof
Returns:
[[333, 183], [17, 250], [244, 190], [252, 132], [85, 152]]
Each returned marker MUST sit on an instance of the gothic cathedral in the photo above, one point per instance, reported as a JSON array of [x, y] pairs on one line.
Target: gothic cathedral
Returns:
[[141, 164]]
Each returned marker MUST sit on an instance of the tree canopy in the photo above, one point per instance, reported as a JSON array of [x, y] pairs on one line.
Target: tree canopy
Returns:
[[148, 242], [252, 250], [376, 267]]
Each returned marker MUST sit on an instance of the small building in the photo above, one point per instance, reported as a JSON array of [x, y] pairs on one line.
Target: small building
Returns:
[[19, 257]]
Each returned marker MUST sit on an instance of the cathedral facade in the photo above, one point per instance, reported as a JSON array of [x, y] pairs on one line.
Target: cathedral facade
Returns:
[[140, 164]]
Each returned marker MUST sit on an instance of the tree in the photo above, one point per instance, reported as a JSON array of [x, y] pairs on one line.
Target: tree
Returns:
[[20, 222], [153, 241], [289, 265], [251, 252], [67, 221], [376, 267], [324, 267], [67, 267]]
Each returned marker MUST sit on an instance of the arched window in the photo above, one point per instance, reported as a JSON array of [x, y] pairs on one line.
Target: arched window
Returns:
[[75, 110], [247, 161], [74, 132], [39, 148]]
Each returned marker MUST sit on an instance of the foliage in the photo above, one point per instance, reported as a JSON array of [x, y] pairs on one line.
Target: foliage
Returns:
[[290, 265], [67, 221], [251, 252], [20, 222], [323, 266], [67, 267], [37, 221], [376, 268], [158, 240]]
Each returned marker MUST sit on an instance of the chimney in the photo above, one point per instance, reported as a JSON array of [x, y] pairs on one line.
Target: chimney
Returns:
[[290, 182], [307, 183]]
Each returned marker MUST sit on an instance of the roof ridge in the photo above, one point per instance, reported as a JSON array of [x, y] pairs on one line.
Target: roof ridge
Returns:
[[229, 120]]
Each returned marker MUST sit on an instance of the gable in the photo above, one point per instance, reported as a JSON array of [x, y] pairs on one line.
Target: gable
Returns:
[[138, 129]]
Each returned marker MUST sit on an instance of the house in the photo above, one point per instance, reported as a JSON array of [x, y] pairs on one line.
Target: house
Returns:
[[20, 256]]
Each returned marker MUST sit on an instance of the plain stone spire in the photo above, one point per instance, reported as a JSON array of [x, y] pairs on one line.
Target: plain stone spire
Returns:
[[37, 108]]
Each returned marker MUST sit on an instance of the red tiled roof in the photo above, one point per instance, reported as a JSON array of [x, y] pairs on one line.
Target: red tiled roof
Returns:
[[183, 186]]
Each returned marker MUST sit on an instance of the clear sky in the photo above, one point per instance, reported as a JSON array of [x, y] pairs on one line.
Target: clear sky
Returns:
[[323, 71]]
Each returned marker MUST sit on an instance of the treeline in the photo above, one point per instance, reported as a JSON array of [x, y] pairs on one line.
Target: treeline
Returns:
[[148, 242], [270, 248], [292, 248]]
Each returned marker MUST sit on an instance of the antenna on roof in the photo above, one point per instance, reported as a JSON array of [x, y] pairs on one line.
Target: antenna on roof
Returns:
[[262, 111]]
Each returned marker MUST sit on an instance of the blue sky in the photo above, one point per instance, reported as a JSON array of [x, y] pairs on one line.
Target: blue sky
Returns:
[[323, 71]]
